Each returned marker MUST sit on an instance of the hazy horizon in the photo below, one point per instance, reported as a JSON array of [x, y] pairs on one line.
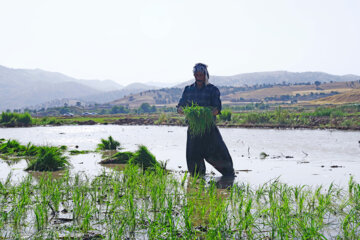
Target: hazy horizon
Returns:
[[160, 41]]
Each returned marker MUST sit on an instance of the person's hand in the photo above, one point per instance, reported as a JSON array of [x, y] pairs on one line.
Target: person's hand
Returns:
[[215, 111], [180, 110]]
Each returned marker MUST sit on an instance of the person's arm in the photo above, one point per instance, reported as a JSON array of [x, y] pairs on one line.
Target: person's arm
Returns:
[[216, 102], [215, 111], [182, 102]]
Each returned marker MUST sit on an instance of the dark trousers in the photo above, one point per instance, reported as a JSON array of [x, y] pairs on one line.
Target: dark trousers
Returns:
[[210, 147]]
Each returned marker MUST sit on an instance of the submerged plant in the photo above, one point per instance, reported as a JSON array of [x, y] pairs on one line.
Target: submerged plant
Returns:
[[263, 155], [200, 119], [144, 158], [48, 159], [109, 144], [118, 158], [77, 152]]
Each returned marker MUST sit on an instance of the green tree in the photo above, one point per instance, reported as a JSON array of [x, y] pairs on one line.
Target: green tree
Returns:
[[146, 108]]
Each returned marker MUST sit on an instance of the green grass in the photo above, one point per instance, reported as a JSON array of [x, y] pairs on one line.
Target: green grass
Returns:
[[225, 115], [340, 117], [15, 119]]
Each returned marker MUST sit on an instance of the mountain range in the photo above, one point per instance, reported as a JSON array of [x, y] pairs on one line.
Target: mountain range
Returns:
[[20, 88]]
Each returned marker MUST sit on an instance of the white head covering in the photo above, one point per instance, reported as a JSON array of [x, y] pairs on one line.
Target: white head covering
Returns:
[[200, 67]]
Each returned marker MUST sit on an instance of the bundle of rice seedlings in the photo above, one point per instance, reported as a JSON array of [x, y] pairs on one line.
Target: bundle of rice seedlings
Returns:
[[77, 152], [143, 158], [30, 150], [48, 159], [109, 144], [118, 158], [10, 147], [200, 119]]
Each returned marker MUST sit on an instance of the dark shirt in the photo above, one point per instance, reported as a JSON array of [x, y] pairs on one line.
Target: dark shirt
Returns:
[[207, 96]]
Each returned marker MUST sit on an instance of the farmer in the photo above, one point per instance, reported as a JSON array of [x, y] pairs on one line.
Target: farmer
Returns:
[[209, 146]]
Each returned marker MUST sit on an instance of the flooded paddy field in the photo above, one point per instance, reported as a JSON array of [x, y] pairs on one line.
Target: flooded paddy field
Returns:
[[313, 157], [290, 184]]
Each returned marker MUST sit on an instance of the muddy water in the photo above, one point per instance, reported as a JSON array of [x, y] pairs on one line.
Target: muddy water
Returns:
[[310, 157]]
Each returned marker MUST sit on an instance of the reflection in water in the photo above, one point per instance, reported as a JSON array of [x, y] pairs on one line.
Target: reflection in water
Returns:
[[116, 167], [224, 182], [12, 161], [45, 175]]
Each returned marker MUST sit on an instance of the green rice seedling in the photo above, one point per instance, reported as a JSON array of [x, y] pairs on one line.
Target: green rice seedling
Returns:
[[30, 150], [87, 213], [200, 119], [40, 216], [154, 204], [144, 158], [77, 152], [48, 159], [10, 147], [109, 144], [118, 158]]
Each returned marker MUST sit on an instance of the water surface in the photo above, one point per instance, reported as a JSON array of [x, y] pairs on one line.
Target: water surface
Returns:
[[296, 157]]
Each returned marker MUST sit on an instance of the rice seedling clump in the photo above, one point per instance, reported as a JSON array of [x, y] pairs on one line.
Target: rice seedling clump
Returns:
[[14, 148], [200, 119], [118, 158], [144, 158], [48, 158], [109, 144]]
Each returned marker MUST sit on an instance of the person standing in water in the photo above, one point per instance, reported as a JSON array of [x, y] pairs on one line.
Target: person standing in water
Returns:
[[210, 146]]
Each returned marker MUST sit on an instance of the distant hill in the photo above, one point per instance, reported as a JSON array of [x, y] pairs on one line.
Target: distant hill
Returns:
[[276, 77], [292, 90], [351, 96], [21, 88], [242, 95], [102, 85], [139, 86], [106, 97]]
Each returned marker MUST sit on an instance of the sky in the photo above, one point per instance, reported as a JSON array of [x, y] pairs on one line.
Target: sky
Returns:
[[161, 40]]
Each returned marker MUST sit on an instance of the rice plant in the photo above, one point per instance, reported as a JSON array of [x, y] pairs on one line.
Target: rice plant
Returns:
[[200, 119], [109, 144], [134, 204], [143, 158], [77, 152], [118, 158], [48, 158]]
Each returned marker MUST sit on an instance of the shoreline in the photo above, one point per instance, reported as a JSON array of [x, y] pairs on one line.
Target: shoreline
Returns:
[[151, 122]]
